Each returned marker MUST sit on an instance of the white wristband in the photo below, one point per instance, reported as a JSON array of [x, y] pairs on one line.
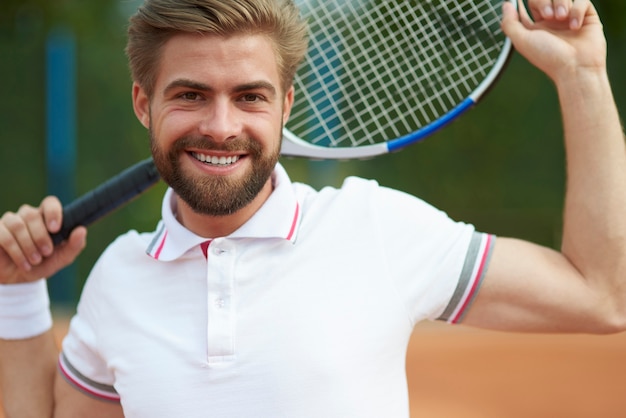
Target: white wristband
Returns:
[[24, 310]]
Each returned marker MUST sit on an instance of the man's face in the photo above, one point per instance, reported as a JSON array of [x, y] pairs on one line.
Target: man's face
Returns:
[[216, 119]]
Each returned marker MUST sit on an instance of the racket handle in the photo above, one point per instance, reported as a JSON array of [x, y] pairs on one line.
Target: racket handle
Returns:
[[107, 197]]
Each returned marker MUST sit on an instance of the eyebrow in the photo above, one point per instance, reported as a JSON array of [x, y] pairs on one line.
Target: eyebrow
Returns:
[[185, 83], [194, 85], [257, 85]]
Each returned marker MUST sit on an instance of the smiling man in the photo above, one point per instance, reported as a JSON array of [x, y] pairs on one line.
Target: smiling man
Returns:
[[215, 129], [244, 302]]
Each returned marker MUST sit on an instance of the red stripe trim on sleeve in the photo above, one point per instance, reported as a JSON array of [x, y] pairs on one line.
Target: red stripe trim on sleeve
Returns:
[[73, 380], [475, 281]]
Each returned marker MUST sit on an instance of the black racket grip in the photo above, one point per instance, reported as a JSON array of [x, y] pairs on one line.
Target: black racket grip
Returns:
[[107, 197]]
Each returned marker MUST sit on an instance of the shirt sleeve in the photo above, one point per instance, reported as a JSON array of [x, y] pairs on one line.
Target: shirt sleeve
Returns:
[[436, 264], [80, 363], [471, 277]]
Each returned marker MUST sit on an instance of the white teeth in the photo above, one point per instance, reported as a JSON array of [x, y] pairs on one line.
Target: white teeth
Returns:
[[212, 159]]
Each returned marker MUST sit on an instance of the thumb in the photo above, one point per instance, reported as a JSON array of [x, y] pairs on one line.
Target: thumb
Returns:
[[69, 250], [512, 25], [64, 254]]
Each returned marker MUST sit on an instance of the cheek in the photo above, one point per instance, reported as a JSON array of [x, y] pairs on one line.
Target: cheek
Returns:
[[168, 127], [270, 130], [269, 139]]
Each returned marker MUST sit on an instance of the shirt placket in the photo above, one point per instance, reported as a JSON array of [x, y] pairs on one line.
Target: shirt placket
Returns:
[[221, 310]]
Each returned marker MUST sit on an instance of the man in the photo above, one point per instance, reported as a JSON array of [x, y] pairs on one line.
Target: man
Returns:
[[244, 304]]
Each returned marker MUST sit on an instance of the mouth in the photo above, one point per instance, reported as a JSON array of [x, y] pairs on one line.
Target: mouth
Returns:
[[215, 160]]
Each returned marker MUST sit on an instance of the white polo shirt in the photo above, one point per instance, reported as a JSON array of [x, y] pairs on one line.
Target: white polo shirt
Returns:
[[305, 311]]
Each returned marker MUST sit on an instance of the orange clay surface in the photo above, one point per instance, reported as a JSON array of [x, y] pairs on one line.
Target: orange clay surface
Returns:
[[457, 372]]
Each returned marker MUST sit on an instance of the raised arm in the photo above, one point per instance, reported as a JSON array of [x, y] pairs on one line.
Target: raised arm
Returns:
[[582, 288]]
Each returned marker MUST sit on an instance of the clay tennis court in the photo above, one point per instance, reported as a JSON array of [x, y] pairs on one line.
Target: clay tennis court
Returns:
[[457, 372]]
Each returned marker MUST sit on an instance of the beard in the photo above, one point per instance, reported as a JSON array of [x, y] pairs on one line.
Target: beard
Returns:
[[215, 195]]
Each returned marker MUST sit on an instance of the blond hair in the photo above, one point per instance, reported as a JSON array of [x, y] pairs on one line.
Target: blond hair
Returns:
[[156, 21]]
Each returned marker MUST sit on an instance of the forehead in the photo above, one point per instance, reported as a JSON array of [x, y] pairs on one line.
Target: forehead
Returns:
[[217, 60]]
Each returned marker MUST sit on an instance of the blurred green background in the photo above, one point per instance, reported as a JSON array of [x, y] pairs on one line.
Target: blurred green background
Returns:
[[500, 167]]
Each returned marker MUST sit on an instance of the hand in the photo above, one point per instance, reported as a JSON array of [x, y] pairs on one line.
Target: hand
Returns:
[[562, 38], [26, 249]]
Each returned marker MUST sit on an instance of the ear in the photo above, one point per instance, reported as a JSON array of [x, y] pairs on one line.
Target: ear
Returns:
[[288, 104], [141, 105]]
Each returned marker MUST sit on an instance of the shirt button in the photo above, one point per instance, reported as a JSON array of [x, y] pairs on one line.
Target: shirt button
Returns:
[[219, 303]]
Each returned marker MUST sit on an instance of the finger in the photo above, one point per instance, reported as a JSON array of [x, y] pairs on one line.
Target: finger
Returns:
[[540, 9], [579, 11], [511, 24], [523, 15], [52, 212], [562, 9], [32, 234], [16, 242], [9, 245]]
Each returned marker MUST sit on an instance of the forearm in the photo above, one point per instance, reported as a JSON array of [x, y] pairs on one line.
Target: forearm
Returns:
[[27, 371], [594, 235], [28, 351]]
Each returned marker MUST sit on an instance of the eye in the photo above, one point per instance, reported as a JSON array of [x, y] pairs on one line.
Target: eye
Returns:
[[190, 96], [251, 98]]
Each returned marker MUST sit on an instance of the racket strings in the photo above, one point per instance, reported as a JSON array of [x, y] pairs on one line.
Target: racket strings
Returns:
[[379, 70]]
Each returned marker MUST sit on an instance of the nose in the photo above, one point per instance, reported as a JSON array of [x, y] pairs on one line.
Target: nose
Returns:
[[220, 121]]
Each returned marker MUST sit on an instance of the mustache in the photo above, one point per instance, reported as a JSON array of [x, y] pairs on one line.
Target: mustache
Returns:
[[208, 144]]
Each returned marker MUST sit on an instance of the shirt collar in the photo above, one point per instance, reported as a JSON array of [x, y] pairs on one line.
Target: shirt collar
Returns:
[[279, 217]]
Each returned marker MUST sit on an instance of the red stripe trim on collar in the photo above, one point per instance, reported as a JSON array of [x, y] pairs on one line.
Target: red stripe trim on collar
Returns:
[[294, 223], [157, 253]]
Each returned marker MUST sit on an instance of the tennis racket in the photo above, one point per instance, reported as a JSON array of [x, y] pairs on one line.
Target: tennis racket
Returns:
[[379, 75]]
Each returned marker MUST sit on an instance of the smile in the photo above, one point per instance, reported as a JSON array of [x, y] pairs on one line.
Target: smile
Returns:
[[215, 160]]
